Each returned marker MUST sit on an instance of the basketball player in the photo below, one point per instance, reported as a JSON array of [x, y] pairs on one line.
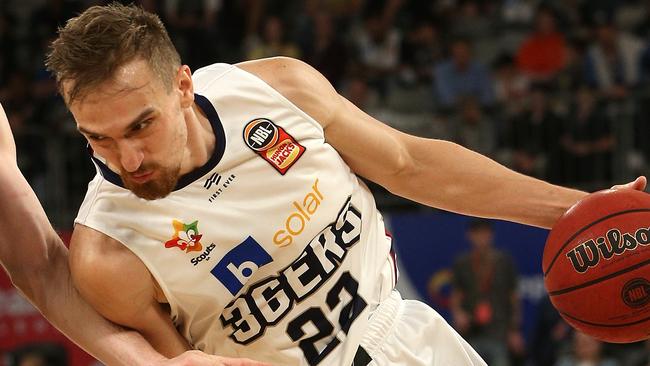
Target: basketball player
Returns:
[[37, 261], [227, 214]]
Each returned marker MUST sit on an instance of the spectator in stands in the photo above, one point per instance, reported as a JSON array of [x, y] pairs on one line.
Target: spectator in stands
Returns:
[[472, 20], [484, 300], [471, 128], [272, 41], [8, 46], [357, 91], [589, 141], [551, 335], [461, 76], [18, 100], [510, 85], [343, 11], [421, 48], [573, 72], [531, 137], [629, 354], [192, 26], [586, 351], [640, 357], [378, 49], [326, 51], [22, 108], [613, 60], [543, 54], [48, 18], [515, 12]]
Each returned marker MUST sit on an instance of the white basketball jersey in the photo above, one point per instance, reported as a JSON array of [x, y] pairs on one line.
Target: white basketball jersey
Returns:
[[273, 250]]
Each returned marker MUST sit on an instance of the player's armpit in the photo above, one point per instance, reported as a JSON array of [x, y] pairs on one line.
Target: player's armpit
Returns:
[[119, 286]]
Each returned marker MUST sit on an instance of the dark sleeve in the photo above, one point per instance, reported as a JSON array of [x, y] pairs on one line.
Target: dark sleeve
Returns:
[[458, 280], [512, 276]]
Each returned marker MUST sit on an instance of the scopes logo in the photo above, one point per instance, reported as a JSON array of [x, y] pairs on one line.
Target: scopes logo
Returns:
[[238, 265], [186, 237]]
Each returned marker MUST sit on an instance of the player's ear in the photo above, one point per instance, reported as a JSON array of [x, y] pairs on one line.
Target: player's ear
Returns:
[[185, 86]]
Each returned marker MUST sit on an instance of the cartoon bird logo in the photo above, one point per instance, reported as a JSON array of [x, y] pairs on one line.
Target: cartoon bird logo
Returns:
[[186, 237]]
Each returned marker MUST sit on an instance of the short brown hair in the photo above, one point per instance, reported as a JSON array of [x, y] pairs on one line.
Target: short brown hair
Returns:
[[94, 44]]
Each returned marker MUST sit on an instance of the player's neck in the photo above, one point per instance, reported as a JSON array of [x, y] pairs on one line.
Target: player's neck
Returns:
[[201, 141]]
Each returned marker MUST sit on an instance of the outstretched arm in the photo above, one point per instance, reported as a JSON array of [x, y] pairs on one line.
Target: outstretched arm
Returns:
[[37, 262], [436, 173]]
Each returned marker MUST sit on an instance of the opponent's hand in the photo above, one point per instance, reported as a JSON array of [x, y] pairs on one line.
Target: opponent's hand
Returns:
[[198, 358], [639, 184]]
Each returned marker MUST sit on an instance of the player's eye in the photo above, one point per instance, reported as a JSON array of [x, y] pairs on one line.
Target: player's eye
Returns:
[[141, 125], [96, 137]]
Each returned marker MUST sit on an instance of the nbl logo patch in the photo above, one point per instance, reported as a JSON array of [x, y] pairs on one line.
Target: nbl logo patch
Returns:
[[636, 293], [272, 143]]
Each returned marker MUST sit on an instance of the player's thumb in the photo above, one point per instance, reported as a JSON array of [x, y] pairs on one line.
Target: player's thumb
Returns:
[[638, 184]]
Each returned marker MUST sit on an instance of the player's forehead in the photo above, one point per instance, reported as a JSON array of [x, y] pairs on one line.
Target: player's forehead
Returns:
[[132, 89], [131, 75], [108, 111]]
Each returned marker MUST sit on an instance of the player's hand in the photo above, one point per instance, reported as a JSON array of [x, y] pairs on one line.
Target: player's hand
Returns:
[[639, 184], [198, 358]]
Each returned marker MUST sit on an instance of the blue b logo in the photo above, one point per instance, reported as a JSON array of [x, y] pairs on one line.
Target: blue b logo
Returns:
[[238, 265]]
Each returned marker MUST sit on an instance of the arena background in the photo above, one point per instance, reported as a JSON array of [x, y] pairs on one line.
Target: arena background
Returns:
[[554, 89]]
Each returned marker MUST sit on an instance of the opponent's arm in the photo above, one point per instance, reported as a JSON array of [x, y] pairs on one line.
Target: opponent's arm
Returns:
[[436, 173], [37, 262], [7, 145]]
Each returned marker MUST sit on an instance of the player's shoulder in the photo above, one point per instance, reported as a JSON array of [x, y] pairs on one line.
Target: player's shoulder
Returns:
[[280, 72], [299, 82], [211, 71]]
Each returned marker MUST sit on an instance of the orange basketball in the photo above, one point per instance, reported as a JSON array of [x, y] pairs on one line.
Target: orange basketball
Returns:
[[597, 265]]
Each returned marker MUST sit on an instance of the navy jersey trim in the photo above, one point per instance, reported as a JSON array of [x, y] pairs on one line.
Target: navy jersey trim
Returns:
[[220, 147]]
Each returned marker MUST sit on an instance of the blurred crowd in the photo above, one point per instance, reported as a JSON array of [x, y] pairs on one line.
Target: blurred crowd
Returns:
[[556, 89]]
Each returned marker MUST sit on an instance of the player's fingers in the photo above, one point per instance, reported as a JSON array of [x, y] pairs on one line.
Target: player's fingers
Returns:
[[242, 362], [639, 184], [247, 362]]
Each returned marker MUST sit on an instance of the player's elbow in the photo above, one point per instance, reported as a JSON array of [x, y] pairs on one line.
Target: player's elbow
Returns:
[[400, 172]]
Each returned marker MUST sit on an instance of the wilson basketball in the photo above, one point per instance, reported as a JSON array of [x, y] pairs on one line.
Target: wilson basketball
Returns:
[[597, 265]]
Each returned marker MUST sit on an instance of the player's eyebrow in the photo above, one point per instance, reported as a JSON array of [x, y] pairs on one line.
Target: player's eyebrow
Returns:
[[145, 113]]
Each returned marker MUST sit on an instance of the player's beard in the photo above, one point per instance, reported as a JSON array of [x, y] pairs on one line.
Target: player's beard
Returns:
[[160, 187]]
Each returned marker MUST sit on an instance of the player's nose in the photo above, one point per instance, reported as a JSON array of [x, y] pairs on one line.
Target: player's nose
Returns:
[[130, 156]]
